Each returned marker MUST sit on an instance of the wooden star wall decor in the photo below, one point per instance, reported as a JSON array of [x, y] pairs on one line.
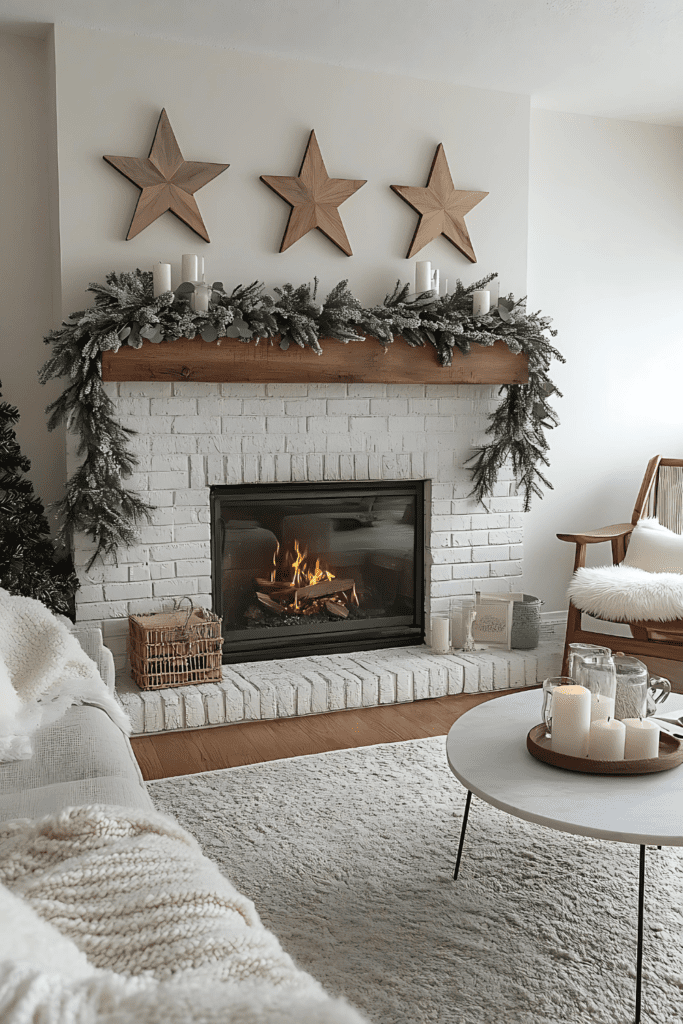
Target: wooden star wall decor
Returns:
[[168, 182], [314, 198], [442, 208]]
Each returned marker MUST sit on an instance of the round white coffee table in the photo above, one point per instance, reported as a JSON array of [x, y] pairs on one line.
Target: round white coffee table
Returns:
[[487, 753]]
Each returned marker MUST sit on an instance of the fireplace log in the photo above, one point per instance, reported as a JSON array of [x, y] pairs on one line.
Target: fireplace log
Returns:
[[272, 605], [337, 609], [314, 590]]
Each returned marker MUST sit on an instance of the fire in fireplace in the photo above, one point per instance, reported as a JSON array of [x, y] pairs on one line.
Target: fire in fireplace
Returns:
[[318, 568]]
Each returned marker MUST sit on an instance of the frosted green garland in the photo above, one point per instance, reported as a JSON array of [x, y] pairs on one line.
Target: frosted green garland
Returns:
[[98, 504]]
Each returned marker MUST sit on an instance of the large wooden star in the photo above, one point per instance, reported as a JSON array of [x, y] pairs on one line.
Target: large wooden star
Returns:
[[314, 198], [168, 182], [442, 208]]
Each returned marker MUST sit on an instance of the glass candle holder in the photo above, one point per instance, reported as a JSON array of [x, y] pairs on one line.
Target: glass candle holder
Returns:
[[462, 616], [598, 675], [577, 651]]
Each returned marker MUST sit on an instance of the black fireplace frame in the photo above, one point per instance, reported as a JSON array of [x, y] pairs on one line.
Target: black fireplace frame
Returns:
[[341, 640]]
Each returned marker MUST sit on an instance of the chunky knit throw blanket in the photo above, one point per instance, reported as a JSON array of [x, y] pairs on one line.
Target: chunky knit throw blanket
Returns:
[[169, 937], [43, 671]]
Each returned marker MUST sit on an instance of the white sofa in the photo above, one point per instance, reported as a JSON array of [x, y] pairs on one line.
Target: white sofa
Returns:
[[83, 758], [109, 911]]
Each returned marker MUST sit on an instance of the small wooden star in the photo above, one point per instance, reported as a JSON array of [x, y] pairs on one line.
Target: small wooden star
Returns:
[[442, 208], [168, 182], [314, 198]]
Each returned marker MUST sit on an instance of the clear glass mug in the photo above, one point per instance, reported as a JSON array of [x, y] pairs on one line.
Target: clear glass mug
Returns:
[[638, 693], [549, 685]]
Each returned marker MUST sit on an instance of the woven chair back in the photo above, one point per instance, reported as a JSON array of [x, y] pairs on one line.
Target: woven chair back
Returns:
[[665, 500]]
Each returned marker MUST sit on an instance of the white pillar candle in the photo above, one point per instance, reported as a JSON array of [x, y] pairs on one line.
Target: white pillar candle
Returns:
[[642, 738], [494, 290], [190, 267], [423, 276], [601, 707], [200, 268], [481, 302], [161, 273], [571, 720], [440, 635], [435, 282], [606, 741]]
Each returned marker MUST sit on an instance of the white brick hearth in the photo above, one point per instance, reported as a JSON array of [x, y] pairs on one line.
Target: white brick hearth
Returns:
[[309, 686], [195, 435]]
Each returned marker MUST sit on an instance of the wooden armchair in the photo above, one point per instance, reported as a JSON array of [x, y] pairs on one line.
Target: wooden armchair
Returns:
[[660, 495]]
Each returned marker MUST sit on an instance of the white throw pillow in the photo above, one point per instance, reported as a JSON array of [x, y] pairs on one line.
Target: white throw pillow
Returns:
[[654, 548]]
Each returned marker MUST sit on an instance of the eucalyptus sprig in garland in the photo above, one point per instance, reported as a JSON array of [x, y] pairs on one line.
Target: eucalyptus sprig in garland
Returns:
[[98, 504]]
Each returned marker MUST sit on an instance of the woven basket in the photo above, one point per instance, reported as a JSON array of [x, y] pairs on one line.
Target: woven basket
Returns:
[[175, 648], [526, 623]]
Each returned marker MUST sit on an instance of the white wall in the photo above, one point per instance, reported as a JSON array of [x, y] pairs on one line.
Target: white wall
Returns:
[[606, 262], [26, 313], [256, 113]]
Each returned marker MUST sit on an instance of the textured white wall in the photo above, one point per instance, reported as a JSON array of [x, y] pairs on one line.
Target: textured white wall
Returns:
[[256, 113], [26, 254], [606, 261]]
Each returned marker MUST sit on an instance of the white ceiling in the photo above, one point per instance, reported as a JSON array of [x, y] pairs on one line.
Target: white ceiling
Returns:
[[611, 58]]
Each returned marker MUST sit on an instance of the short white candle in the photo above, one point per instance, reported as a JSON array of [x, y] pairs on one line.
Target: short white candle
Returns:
[[190, 267], [440, 635], [642, 738], [571, 719], [423, 276], [200, 297], [481, 302], [601, 707], [606, 742], [161, 273]]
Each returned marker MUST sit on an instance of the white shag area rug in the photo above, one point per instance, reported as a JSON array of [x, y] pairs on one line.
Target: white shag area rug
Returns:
[[349, 858]]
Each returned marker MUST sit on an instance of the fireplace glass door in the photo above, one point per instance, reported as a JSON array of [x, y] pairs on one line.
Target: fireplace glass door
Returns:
[[318, 568]]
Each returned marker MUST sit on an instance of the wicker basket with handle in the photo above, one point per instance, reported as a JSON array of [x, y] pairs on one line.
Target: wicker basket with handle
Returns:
[[175, 648]]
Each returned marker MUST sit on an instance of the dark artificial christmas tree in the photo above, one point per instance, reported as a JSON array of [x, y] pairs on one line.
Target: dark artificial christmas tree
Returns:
[[29, 566]]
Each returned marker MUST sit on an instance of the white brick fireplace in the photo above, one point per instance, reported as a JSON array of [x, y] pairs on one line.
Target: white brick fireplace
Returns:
[[195, 435], [191, 436]]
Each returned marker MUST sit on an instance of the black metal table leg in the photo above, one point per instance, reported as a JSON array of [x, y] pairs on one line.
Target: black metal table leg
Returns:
[[639, 957], [462, 833]]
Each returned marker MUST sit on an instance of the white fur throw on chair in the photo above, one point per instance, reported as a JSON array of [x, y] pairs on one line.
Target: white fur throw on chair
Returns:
[[622, 593]]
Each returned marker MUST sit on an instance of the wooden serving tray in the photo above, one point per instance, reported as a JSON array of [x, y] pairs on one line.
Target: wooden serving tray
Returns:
[[670, 756]]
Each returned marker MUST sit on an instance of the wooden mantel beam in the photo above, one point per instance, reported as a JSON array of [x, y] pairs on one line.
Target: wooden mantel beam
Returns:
[[364, 361]]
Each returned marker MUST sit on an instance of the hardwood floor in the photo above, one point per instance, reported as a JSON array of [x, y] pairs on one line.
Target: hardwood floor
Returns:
[[163, 755]]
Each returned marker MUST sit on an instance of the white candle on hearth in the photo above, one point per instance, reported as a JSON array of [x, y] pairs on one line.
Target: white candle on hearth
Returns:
[[642, 738], [606, 740], [440, 626], [161, 274], [190, 267], [481, 302], [571, 720], [423, 276]]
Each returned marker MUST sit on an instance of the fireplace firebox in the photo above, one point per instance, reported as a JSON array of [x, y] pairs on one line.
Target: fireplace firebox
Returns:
[[317, 568]]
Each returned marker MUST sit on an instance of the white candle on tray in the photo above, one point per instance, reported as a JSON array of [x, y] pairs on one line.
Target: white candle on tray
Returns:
[[571, 720], [190, 267], [440, 626], [601, 707], [642, 738], [481, 302], [161, 275], [423, 276], [606, 741]]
